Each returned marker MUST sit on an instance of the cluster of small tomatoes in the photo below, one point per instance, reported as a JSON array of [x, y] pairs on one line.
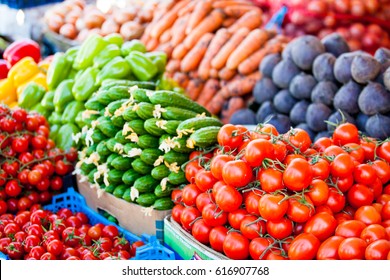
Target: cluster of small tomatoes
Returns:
[[31, 165], [43, 235], [265, 195]]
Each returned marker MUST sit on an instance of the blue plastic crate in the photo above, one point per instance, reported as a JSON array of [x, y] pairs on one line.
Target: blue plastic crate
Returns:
[[23, 4], [3, 257], [152, 250]]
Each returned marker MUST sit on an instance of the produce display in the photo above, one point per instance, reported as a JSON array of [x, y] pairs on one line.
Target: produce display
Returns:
[[76, 20], [346, 17], [31, 165], [75, 75], [316, 84], [134, 146], [62, 235], [265, 195], [214, 48]]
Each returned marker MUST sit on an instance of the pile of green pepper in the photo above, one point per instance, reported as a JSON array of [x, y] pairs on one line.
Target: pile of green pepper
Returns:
[[74, 76]]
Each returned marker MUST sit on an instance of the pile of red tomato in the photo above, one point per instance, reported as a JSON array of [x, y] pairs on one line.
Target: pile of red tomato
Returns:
[[42, 235], [265, 195], [31, 166]]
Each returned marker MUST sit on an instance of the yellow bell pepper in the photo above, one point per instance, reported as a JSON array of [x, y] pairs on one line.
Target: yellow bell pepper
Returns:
[[39, 79], [13, 105], [22, 71], [44, 65], [7, 91]]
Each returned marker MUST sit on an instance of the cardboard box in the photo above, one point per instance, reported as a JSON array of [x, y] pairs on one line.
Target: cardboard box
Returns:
[[185, 245], [129, 215]]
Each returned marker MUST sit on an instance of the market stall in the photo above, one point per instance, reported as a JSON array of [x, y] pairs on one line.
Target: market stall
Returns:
[[229, 129]]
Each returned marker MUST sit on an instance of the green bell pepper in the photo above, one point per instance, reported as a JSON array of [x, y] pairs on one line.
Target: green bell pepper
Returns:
[[55, 118], [47, 100], [71, 111], [64, 136], [63, 95], [159, 59], [133, 45], [141, 66], [114, 38], [106, 55], [40, 110], [72, 53], [54, 128], [58, 70], [90, 48], [85, 84], [80, 120], [117, 68], [31, 95], [73, 73]]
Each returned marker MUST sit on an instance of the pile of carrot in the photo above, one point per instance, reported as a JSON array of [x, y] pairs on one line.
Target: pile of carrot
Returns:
[[214, 49]]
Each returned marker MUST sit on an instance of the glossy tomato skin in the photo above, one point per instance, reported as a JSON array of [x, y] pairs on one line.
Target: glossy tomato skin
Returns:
[[377, 250], [319, 192], [360, 195], [201, 231], [216, 237], [280, 229], [373, 233], [235, 217], [368, 215], [257, 150], [236, 246], [329, 248], [298, 175], [252, 227], [352, 248], [322, 225], [273, 207], [304, 247], [228, 198], [229, 137], [258, 248], [351, 228], [237, 173], [271, 180]]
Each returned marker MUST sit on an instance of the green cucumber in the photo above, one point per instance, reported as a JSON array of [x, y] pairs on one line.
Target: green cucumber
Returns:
[[170, 98], [120, 190], [145, 110], [163, 193], [177, 157], [110, 188], [115, 176], [110, 83], [181, 147], [91, 174], [118, 92], [177, 178], [115, 105], [118, 121], [141, 167], [137, 126], [111, 144], [129, 114], [98, 136], [111, 157], [129, 146], [120, 138], [145, 184], [126, 195], [102, 149], [91, 149], [107, 128], [151, 126], [199, 122], [93, 104], [122, 163], [86, 168], [149, 156], [205, 137], [163, 203], [102, 97], [175, 113], [130, 176], [141, 95], [148, 141], [146, 199], [160, 172]]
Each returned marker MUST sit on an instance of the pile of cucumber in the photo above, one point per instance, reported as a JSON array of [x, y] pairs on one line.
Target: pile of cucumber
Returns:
[[136, 139]]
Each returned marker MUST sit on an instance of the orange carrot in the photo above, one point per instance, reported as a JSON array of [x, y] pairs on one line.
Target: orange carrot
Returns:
[[167, 48], [201, 10], [178, 30], [145, 38], [166, 36], [173, 65], [251, 63], [229, 22], [216, 103], [209, 24], [152, 44], [241, 86], [226, 73], [209, 90], [223, 4], [254, 41], [238, 10], [250, 20], [213, 73], [219, 61], [192, 59], [179, 51], [233, 104], [181, 78], [167, 20], [187, 9], [220, 38], [194, 87]]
